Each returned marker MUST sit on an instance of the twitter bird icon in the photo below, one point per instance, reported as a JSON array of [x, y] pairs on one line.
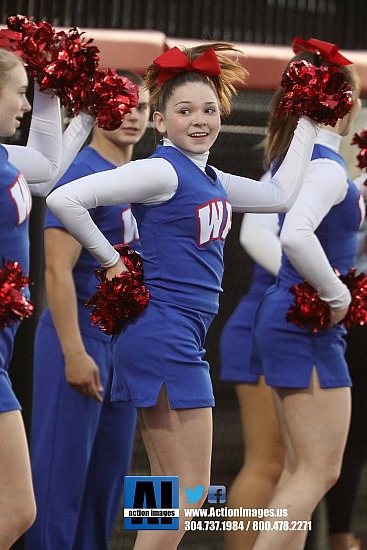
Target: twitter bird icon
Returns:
[[193, 495]]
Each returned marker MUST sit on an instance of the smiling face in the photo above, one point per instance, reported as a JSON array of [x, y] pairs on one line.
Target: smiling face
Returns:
[[191, 118], [13, 100]]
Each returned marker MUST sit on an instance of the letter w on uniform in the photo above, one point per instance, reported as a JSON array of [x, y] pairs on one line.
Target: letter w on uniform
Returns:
[[214, 221]]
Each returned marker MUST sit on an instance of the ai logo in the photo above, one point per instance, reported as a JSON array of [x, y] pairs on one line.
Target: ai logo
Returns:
[[151, 502]]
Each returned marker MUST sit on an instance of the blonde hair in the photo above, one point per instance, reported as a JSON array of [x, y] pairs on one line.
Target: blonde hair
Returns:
[[222, 84], [280, 130], [8, 61]]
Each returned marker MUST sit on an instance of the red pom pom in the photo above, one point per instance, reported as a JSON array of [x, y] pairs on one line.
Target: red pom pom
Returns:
[[357, 312], [122, 298], [313, 313], [112, 96], [361, 140], [309, 311], [38, 45], [321, 93], [13, 304], [67, 64], [71, 72]]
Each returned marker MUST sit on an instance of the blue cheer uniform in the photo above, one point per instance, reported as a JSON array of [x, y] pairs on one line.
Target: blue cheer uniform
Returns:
[[289, 353], [15, 206], [80, 449], [182, 250]]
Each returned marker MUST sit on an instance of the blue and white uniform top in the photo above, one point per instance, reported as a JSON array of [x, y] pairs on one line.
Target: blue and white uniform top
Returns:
[[183, 253], [319, 233], [26, 170], [33, 170], [15, 207]]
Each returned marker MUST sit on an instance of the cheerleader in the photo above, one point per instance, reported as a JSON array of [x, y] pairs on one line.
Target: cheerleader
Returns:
[[24, 170], [81, 442], [183, 210], [307, 370]]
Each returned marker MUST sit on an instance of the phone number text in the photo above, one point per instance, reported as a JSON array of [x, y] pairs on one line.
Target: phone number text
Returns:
[[254, 525]]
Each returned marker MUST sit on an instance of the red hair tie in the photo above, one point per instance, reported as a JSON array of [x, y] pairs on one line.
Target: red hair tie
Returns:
[[328, 51], [174, 61]]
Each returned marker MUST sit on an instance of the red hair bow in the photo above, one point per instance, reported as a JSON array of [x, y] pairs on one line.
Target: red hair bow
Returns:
[[174, 61], [328, 51]]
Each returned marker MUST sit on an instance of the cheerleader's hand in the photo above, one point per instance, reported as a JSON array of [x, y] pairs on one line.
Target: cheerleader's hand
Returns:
[[82, 374], [116, 269], [121, 295], [337, 316]]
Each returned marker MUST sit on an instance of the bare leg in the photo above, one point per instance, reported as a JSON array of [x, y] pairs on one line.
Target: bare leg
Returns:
[[178, 442], [17, 505], [317, 423], [255, 483], [341, 498]]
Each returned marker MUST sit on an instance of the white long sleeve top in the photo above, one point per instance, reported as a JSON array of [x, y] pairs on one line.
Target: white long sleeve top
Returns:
[[48, 152]]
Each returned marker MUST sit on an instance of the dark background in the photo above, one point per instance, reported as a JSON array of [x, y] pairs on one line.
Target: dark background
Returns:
[[237, 150], [258, 21]]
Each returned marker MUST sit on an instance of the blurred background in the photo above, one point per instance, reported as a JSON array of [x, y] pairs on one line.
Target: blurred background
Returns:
[[269, 24]]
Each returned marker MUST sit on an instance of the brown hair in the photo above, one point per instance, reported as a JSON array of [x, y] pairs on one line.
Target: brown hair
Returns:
[[8, 61], [280, 130], [222, 84]]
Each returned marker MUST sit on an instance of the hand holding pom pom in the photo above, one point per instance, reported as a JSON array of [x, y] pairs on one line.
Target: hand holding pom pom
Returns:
[[321, 93], [310, 312], [122, 298], [13, 304]]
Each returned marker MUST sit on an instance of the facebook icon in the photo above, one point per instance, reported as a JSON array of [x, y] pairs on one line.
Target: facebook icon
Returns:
[[217, 494]]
